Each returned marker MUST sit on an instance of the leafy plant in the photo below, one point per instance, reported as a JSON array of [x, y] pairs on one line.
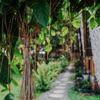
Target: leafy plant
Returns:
[[45, 75], [64, 62], [82, 80], [9, 96], [42, 79], [54, 69], [4, 70]]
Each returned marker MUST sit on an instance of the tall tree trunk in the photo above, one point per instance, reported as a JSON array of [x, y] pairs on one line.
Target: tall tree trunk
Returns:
[[26, 90]]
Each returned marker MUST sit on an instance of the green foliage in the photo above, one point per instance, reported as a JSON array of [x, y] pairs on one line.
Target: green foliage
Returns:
[[9, 96], [53, 33], [86, 85], [54, 69], [76, 22], [64, 62], [97, 13], [17, 62], [48, 47], [55, 41], [74, 95], [47, 73], [42, 79], [64, 31], [41, 11], [15, 90], [74, 37], [38, 12], [87, 14], [92, 15], [4, 70], [93, 23], [82, 80]]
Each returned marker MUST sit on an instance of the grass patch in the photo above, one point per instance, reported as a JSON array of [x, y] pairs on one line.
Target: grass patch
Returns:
[[74, 95]]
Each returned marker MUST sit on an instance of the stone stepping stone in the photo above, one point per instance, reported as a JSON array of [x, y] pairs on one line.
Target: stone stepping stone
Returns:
[[57, 82], [59, 91], [56, 95], [63, 84], [66, 75], [64, 79], [70, 82], [60, 87]]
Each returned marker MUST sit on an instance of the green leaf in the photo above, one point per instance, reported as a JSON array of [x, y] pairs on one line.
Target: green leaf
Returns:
[[76, 23], [98, 21], [55, 26], [64, 31], [4, 89], [41, 12], [15, 69], [62, 41], [41, 37], [14, 82], [48, 48], [53, 33], [48, 40], [97, 13], [4, 70], [92, 23], [9, 96], [87, 13]]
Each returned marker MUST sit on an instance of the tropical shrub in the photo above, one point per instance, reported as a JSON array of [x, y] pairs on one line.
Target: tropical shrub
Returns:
[[54, 69], [42, 79], [82, 79], [46, 74], [64, 62]]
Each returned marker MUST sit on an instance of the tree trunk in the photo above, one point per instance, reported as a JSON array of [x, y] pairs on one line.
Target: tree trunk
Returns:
[[36, 56], [26, 89], [46, 57]]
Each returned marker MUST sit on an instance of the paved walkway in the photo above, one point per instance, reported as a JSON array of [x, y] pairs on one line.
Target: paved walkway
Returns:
[[60, 87]]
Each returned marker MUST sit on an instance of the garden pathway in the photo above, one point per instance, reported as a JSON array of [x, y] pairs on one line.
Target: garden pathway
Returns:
[[60, 87]]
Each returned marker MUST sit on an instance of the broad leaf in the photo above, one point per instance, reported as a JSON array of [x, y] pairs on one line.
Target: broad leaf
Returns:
[[48, 48], [98, 21], [9, 96], [92, 23], [64, 31], [53, 33], [41, 12], [62, 41], [41, 37], [87, 14], [76, 23], [97, 13], [15, 82], [4, 70], [48, 40]]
